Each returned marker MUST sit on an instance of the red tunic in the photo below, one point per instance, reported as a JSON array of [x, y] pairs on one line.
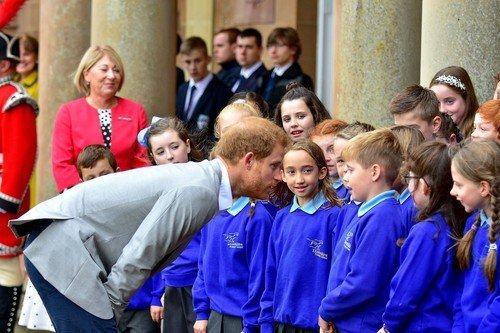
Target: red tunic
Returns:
[[18, 153]]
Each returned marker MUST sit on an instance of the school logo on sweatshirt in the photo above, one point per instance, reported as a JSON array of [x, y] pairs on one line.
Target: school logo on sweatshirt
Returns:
[[231, 240], [347, 241], [315, 244]]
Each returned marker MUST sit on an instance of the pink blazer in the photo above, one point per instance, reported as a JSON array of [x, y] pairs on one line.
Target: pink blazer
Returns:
[[77, 126]]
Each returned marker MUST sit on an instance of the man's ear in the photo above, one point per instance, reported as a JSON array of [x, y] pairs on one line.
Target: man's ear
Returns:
[[248, 160], [436, 124]]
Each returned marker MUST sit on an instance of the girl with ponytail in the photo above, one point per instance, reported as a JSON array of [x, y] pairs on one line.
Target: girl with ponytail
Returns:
[[475, 184]]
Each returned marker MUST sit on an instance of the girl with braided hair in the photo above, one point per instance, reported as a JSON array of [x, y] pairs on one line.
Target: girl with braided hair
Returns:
[[475, 184]]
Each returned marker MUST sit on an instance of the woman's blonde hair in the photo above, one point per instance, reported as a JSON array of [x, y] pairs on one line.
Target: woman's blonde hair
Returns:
[[89, 59]]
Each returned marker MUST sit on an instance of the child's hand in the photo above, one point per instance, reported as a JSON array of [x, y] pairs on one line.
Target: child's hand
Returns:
[[325, 327], [156, 313], [200, 326]]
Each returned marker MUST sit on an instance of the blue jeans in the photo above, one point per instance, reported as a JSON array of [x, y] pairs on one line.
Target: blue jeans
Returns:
[[66, 316]]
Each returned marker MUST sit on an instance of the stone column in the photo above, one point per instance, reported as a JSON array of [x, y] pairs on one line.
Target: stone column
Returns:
[[64, 37], [462, 33], [376, 54], [143, 32]]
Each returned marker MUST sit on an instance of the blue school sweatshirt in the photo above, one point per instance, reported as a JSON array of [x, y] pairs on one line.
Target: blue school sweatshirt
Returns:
[[298, 262], [183, 271], [477, 309], [341, 190], [232, 262], [424, 288], [365, 259], [408, 210], [346, 215]]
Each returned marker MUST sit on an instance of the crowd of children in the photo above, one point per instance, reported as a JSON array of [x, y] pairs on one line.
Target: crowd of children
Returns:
[[372, 230]]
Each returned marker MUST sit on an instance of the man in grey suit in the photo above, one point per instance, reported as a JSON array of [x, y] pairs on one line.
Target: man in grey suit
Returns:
[[90, 248]]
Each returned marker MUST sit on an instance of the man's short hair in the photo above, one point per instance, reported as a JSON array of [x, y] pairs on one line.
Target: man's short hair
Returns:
[[92, 154], [416, 99], [251, 32], [193, 43], [231, 33], [251, 134], [376, 147]]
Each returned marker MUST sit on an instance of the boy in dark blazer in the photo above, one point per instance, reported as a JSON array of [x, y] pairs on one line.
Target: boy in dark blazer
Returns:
[[284, 49], [200, 99], [248, 53]]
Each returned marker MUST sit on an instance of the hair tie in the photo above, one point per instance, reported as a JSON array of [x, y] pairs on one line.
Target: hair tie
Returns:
[[143, 135], [452, 81], [492, 247], [474, 227]]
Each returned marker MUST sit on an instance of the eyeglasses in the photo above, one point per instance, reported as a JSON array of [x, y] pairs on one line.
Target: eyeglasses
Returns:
[[408, 178]]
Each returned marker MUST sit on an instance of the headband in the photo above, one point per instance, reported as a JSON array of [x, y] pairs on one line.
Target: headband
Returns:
[[451, 80]]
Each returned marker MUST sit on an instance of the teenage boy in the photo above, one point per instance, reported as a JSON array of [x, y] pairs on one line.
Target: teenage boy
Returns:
[[248, 53], [225, 55], [419, 107], [366, 255], [284, 49], [200, 99]]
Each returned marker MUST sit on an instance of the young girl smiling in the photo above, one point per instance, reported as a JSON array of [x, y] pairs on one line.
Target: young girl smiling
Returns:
[[475, 184], [300, 245]]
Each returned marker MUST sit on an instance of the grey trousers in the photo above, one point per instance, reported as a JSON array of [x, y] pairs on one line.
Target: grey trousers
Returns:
[[219, 323], [178, 313]]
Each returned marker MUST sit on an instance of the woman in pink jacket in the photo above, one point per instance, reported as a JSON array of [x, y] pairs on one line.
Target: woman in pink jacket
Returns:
[[100, 117]]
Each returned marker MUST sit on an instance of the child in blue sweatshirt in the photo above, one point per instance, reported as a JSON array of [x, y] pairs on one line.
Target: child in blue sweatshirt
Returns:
[[230, 281], [299, 254], [475, 170], [323, 135], [167, 141], [409, 138], [424, 288], [366, 255]]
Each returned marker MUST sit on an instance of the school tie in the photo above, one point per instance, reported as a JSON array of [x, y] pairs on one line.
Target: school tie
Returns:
[[270, 87], [238, 85], [190, 108]]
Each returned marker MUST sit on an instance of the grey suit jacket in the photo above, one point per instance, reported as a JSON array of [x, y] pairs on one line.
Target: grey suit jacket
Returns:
[[110, 234]]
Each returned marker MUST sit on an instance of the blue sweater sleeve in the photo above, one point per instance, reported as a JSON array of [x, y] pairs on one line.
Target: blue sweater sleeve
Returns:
[[158, 289], [201, 302], [491, 321], [371, 268], [419, 265], [458, 316], [258, 230], [266, 318]]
